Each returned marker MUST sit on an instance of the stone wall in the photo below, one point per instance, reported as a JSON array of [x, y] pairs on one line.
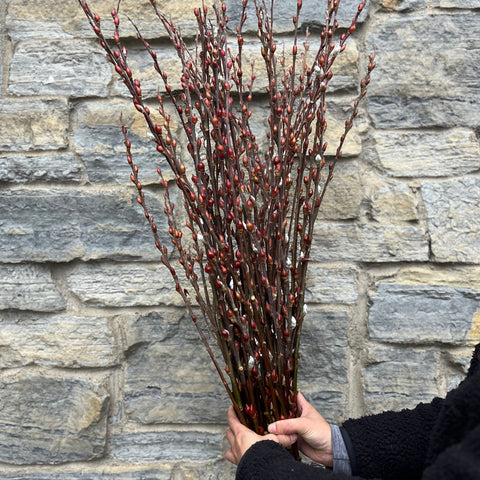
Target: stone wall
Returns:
[[102, 374]]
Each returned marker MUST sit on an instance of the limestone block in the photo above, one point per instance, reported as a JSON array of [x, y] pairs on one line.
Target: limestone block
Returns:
[[59, 67], [453, 209], [427, 153], [29, 287], [124, 285], [60, 225], [99, 142], [421, 79], [403, 5], [322, 374], [399, 378], [25, 22], [105, 473], [33, 125], [368, 243], [49, 420], [166, 446], [312, 14], [331, 284], [344, 194], [42, 168], [456, 276], [169, 377], [456, 3], [395, 204], [65, 342], [422, 314]]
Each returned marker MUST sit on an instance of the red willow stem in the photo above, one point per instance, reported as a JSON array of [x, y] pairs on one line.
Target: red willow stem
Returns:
[[250, 214]]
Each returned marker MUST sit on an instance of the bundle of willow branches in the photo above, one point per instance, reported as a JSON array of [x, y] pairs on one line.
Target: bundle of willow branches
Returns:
[[244, 247]]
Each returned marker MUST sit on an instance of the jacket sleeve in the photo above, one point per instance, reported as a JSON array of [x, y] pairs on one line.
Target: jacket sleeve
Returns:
[[268, 460], [461, 460], [392, 444]]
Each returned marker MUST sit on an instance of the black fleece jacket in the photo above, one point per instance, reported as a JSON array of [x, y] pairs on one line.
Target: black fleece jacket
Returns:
[[439, 440]]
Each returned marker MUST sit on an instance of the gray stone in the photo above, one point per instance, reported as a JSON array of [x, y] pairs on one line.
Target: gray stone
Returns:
[[124, 285], [344, 195], [368, 243], [104, 474], [312, 14], [456, 3], [37, 21], [427, 153], [453, 210], [166, 446], [322, 374], [100, 145], [61, 225], [399, 378], [59, 67], [417, 83], [172, 380], [65, 342], [49, 420], [44, 168], [331, 284], [33, 125], [29, 287], [422, 314]]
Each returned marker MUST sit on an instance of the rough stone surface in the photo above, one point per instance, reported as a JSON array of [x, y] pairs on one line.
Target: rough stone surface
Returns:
[[422, 314], [331, 284], [404, 5], [369, 243], [124, 285], [345, 194], [58, 67], [29, 287], [394, 203], [24, 22], [310, 14], [147, 474], [166, 446], [438, 88], [427, 153], [33, 125], [65, 342], [63, 225], [100, 145], [457, 3], [160, 385], [399, 378], [43, 168], [47, 420], [323, 360], [453, 209]]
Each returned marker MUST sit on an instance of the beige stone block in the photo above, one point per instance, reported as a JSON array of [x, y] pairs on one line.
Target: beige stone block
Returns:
[[31, 20], [33, 125], [394, 204], [427, 153]]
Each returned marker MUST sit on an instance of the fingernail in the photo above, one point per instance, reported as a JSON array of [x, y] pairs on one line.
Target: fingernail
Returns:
[[272, 428]]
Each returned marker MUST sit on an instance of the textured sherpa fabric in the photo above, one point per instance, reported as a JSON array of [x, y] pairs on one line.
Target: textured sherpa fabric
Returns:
[[439, 440]]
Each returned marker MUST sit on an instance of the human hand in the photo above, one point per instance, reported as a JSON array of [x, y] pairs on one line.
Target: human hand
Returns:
[[310, 429], [241, 438]]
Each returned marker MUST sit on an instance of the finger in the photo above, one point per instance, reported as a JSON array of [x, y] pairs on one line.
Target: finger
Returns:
[[285, 440], [230, 457], [232, 418], [292, 426]]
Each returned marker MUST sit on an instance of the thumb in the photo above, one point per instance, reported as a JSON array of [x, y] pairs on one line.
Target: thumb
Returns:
[[291, 426]]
